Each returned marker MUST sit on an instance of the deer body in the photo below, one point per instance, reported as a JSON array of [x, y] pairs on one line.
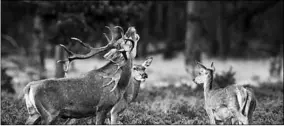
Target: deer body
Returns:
[[73, 97], [235, 103], [132, 90], [82, 96]]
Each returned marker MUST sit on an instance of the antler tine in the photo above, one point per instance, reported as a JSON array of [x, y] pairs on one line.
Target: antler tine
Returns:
[[67, 50], [109, 40], [122, 31], [82, 43], [93, 51]]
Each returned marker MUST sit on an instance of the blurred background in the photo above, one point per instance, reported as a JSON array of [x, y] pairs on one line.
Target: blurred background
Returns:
[[244, 39]]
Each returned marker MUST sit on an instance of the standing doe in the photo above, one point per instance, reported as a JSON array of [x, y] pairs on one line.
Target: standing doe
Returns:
[[236, 103]]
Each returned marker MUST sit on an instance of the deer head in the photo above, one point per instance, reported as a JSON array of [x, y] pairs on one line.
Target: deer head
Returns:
[[139, 73], [131, 33], [205, 74]]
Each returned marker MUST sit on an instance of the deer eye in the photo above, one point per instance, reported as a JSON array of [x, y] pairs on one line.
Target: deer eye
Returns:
[[135, 68]]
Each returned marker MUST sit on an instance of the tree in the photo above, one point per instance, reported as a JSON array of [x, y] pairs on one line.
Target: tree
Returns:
[[145, 30], [192, 37], [222, 32], [59, 55], [171, 30]]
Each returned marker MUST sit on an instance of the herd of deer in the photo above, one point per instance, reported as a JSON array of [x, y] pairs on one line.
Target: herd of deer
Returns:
[[112, 87]]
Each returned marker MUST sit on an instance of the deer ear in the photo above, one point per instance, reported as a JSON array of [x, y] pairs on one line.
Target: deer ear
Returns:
[[148, 62], [137, 37], [200, 65], [212, 66]]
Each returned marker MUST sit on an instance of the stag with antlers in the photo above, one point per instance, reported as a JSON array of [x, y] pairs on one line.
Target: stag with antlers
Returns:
[[83, 96]]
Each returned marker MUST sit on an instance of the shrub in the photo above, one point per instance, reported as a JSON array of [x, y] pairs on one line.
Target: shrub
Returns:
[[225, 79]]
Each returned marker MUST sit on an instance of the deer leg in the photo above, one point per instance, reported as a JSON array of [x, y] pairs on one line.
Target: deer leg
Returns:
[[49, 119], [240, 117], [118, 108], [252, 107], [249, 108], [34, 116], [33, 119], [100, 117], [70, 121], [211, 116], [234, 121]]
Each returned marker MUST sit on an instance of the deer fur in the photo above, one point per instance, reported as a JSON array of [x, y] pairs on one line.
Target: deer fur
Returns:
[[234, 103], [139, 75], [78, 97]]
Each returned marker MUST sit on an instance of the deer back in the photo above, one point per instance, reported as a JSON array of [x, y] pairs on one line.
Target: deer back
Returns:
[[223, 97], [82, 92], [231, 96]]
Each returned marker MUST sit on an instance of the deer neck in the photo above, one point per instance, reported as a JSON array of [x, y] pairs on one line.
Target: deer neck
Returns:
[[126, 73], [207, 86], [108, 68], [133, 89], [134, 51]]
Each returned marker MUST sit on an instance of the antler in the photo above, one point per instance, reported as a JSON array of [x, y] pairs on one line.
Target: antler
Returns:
[[122, 31], [109, 41], [112, 38], [93, 51]]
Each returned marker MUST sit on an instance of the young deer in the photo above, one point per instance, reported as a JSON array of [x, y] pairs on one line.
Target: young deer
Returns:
[[235, 103], [138, 75], [81, 96]]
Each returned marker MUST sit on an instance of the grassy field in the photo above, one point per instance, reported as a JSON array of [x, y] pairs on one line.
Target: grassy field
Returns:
[[161, 101], [167, 105]]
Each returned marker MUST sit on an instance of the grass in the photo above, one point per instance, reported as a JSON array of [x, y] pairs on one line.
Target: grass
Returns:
[[167, 105]]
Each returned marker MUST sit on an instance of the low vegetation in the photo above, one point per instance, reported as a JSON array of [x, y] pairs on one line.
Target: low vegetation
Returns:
[[167, 105]]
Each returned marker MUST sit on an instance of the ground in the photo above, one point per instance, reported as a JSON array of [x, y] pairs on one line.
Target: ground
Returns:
[[164, 99]]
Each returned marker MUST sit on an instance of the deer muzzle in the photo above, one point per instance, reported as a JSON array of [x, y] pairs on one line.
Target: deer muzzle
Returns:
[[144, 75]]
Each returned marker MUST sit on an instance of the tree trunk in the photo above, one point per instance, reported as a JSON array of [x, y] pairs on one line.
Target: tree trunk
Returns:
[[145, 38], [210, 25], [222, 32], [171, 30], [59, 55], [192, 38], [159, 19], [38, 46]]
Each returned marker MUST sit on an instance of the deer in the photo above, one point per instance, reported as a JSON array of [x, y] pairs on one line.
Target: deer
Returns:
[[234, 103], [139, 75], [84, 95]]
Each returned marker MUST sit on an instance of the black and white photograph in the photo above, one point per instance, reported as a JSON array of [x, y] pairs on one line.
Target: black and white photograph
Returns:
[[105, 62]]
